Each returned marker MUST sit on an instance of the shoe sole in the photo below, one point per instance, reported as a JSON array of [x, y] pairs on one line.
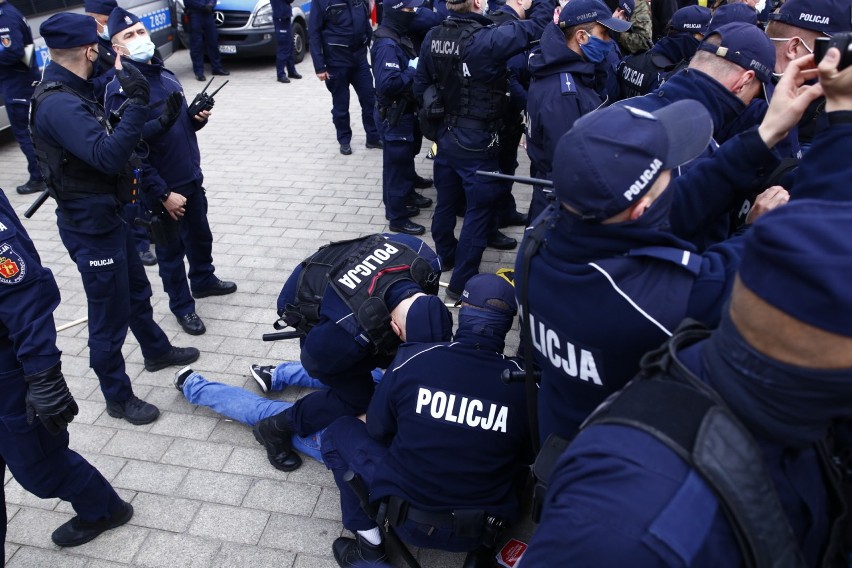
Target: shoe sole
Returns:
[[199, 295], [260, 441], [154, 367], [407, 232], [121, 415], [259, 380], [503, 247], [128, 514]]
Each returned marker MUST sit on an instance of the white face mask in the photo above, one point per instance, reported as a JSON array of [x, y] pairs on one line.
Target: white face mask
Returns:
[[140, 49], [104, 34], [760, 6]]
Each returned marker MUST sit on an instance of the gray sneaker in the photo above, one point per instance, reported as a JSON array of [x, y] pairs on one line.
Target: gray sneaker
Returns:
[[263, 375], [134, 410]]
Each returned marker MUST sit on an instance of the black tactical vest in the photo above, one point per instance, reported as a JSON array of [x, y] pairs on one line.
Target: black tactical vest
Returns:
[[637, 74], [66, 175], [468, 103], [360, 271]]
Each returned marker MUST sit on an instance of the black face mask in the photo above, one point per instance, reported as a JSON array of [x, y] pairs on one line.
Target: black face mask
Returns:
[[398, 20]]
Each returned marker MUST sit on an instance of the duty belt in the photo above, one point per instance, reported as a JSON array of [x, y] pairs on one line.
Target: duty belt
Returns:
[[464, 122]]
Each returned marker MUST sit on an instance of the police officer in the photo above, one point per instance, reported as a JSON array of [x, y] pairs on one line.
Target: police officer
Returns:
[[435, 401], [18, 71], [793, 30], [394, 60], [340, 33], [172, 177], [100, 10], [352, 301], [36, 451], [564, 85], [779, 367], [605, 240], [87, 171], [203, 37], [640, 74], [282, 20], [463, 62], [512, 128]]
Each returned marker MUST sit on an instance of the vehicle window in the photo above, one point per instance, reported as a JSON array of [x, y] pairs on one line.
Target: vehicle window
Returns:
[[32, 7]]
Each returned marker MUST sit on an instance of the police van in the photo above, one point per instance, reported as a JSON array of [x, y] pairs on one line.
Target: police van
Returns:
[[245, 27], [157, 15]]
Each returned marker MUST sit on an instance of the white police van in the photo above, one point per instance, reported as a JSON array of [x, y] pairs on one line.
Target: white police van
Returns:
[[157, 15], [246, 30]]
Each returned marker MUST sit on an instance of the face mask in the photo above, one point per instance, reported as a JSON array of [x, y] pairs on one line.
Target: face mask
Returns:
[[140, 49], [596, 49], [104, 34], [760, 6]]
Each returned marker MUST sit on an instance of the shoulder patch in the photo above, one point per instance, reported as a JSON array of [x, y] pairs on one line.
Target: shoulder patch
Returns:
[[568, 86], [392, 65], [13, 268]]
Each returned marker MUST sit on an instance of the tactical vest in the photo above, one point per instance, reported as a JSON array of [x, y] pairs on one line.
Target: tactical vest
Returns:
[[639, 74], [66, 175], [700, 428], [468, 103], [360, 271]]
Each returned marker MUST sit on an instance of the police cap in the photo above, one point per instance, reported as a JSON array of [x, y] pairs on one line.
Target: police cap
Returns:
[[826, 16], [578, 12], [103, 7], [612, 157], [730, 13], [691, 19], [119, 20], [746, 45], [67, 29], [428, 321], [796, 258], [490, 292]]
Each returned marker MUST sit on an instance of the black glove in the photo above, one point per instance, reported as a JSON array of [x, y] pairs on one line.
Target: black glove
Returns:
[[171, 110], [134, 84], [49, 397]]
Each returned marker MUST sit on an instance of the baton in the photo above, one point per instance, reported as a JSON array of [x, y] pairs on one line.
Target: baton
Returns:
[[519, 179], [282, 335], [37, 203]]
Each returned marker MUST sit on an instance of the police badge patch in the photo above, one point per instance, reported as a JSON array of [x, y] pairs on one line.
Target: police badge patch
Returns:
[[5, 41], [13, 268]]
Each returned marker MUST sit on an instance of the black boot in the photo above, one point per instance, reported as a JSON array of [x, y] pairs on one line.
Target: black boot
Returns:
[[357, 552], [279, 447], [482, 557]]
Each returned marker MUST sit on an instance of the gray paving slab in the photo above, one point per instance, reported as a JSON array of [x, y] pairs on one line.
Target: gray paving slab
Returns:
[[233, 524], [277, 189]]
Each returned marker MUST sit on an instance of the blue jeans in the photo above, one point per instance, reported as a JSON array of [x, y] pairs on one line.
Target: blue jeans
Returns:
[[248, 408]]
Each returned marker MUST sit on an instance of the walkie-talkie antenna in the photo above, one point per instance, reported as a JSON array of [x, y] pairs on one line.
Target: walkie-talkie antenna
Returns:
[[213, 94]]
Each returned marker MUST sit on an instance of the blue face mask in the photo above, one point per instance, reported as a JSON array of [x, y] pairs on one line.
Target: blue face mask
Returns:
[[596, 49]]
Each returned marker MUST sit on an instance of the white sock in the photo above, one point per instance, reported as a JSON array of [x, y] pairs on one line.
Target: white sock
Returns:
[[373, 536]]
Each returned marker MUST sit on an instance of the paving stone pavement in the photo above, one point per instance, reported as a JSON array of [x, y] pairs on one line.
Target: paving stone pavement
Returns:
[[203, 492]]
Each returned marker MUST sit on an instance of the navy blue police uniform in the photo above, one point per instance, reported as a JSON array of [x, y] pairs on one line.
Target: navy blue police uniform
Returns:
[[104, 72], [338, 351], [173, 164], [668, 514], [85, 164], [16, 86], [512, 128], [282, 20], [340, 32], [642, 73], [644, 279], [465, 58], [561, 91], [203, 37], [392, 53], [435, 401], [820, 176], [36, 451]]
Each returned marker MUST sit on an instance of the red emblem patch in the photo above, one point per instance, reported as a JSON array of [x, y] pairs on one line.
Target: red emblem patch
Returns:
[[13, 268]]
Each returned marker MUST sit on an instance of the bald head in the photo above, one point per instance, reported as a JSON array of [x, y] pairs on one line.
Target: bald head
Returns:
[[784, 338]]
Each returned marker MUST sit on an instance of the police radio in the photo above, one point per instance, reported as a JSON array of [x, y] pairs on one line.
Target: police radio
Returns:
[[202, 100]]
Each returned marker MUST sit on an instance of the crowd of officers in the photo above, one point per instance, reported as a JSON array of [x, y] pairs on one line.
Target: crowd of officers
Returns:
[[682, 284]]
